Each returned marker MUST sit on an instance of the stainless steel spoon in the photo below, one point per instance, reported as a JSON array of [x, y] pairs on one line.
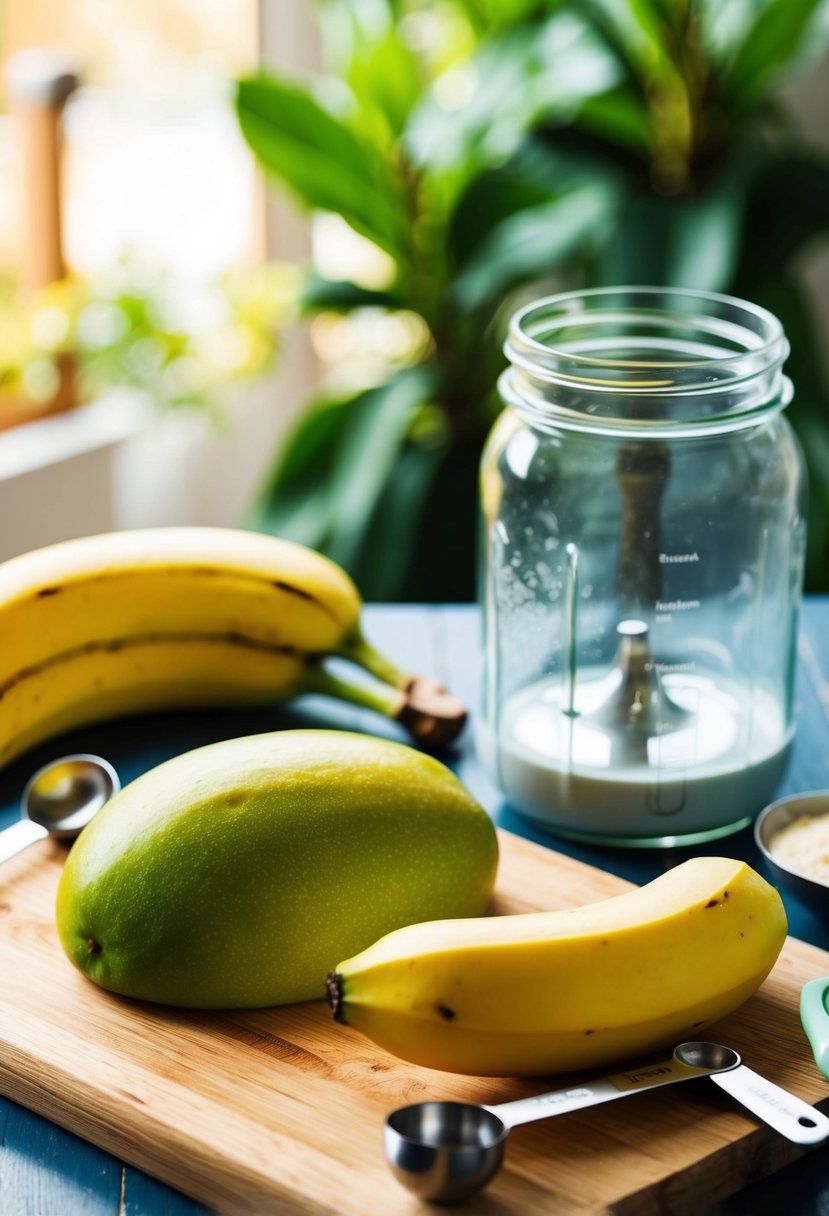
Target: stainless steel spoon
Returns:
[[59, 800], [446, 1151]]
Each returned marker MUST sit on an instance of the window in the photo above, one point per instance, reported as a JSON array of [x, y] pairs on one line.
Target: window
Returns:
[[154, 163]]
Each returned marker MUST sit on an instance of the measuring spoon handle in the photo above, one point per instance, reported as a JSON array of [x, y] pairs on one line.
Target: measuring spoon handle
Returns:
[[793, 1118], [618, 1085], [18, 837]]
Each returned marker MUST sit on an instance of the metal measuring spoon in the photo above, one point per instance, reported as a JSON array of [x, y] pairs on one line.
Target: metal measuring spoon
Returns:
[[59, 800], [446, 1151]]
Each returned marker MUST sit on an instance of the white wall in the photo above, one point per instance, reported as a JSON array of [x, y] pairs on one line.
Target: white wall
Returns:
[[119, 464]]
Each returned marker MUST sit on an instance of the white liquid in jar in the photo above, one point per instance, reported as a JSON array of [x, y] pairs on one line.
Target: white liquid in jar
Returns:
[[713, 773]]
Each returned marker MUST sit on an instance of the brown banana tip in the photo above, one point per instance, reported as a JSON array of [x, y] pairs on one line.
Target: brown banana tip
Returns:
[[430, 714], [334, 995]]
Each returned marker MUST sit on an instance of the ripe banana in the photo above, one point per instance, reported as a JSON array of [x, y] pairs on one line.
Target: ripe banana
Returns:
[[161, 618], [549, 992]]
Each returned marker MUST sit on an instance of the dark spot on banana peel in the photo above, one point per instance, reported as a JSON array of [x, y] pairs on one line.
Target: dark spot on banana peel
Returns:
[[44, 591], [712, 903], [292, 590], [334, 995], [589, 1032], [92, 946], [446, 1013]]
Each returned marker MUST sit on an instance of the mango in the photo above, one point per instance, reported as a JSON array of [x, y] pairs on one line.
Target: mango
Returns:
[[239, 874]]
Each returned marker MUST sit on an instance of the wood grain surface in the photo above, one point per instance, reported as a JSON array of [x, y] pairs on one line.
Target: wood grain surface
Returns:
[[281, 1110]]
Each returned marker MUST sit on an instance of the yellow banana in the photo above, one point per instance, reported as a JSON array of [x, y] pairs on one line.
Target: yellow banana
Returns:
[[159, 618], [550, 992]]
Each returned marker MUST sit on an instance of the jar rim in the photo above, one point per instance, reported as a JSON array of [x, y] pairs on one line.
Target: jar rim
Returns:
[[755, 332]]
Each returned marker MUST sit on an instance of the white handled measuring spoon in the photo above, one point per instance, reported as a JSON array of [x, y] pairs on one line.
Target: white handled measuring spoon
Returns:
[[787, 1114], [59, 800], [446, 1151]]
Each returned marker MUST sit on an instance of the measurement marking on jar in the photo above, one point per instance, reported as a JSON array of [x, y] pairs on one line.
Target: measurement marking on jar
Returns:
[[669, 559], [669, 668], [665, 609]]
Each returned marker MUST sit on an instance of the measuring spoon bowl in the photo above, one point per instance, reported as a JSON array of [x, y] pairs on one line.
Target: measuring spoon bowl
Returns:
[[446, 1151], [59, 800]]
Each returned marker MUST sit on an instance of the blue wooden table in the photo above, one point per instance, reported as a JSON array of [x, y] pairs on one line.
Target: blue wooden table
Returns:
[[46, 1171]]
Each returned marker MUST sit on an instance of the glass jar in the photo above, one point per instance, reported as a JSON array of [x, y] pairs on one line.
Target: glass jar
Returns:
[[641, 569]]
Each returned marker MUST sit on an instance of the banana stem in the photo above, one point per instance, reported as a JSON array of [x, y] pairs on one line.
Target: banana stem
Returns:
[[420, 703], [357, 649], [380, 698]]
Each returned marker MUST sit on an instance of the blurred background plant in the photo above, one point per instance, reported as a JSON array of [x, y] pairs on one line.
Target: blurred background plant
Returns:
[[179, 343], [475, 152]]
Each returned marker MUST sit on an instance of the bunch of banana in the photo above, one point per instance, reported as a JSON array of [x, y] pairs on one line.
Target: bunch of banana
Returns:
[[165, 618], [547, 992]]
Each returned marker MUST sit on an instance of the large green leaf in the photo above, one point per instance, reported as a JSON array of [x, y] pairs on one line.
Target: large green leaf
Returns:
[[536, 242], [535, 175], [519, 77], [365, 43], [723, 26], [706, 231], [367, 453], [809, 411], [337, 462], [487, 15], [309, 443], [693, 242], [319, 294], [789, 206], [637, 29], [705, 241], [294, 501], [772, 40], [385, 77], [383, 565], [620, 117], [637, 252], [321, 160]]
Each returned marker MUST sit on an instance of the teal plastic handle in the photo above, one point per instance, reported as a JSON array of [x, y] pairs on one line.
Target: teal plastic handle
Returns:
[[814, 1014]]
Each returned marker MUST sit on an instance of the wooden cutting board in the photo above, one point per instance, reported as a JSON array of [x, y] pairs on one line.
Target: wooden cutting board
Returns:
[[281, 1110]]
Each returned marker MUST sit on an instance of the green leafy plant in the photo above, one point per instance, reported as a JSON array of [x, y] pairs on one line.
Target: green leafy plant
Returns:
[[141, 327], [497, 148]]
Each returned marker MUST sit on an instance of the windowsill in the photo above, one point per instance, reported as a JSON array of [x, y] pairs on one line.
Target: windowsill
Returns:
[[77, 432], [121, 463]]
